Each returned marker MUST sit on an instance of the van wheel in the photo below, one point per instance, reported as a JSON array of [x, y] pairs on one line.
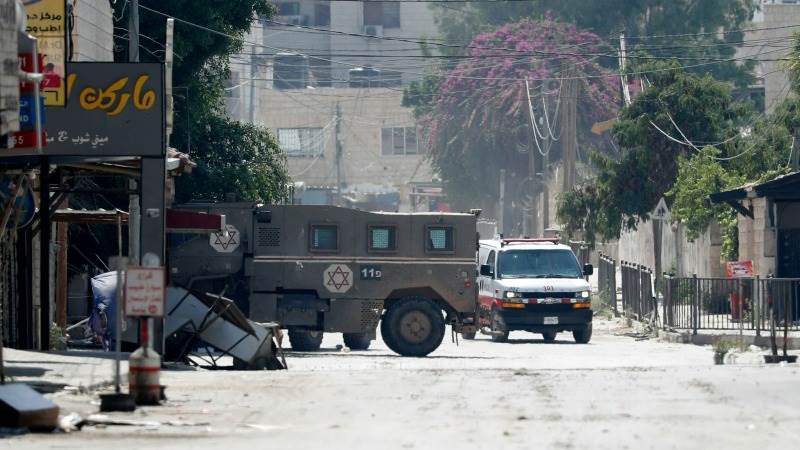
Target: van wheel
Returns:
[[357, 341], [549, 336], [305, 340], [413, 326], [583, 336], [499, 331]]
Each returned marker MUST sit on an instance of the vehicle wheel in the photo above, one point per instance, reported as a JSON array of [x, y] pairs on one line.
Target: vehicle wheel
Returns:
[[305, 340], [468, 336], [413, 326], [498, 327], [583, 336], [357, 341], [549, 336]]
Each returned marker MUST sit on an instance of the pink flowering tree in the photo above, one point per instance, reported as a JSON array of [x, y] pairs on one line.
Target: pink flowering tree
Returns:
[[478, 120]]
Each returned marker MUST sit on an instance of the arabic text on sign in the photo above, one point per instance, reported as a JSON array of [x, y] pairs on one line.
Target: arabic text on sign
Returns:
[[113, 99]]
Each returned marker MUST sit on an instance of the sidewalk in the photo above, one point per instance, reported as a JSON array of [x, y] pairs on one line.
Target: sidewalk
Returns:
[[53, 371]]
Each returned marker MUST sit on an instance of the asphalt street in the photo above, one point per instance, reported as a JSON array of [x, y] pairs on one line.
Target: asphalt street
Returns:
[[616, 392]]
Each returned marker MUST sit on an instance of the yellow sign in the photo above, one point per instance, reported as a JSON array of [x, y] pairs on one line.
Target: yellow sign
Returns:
[[115, 98], [47, 20]]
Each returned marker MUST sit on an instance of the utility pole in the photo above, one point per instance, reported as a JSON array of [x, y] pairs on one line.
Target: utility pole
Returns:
[[134, 217], [569, 130], [530, 229], [253, 72], [795, 159], [626, 92], [502, 206], [546, 144], [338, 120]]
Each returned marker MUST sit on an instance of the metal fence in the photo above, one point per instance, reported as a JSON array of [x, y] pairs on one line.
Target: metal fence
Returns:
[[731, 304], [638, 300], [607, 280]]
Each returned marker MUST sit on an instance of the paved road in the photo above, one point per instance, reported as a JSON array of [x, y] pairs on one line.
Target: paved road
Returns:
[[615, 393]]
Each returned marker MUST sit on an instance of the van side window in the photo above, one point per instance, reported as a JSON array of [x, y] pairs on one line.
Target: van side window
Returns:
[[439, 239], [490, 261], [382, 238], [324, 237]]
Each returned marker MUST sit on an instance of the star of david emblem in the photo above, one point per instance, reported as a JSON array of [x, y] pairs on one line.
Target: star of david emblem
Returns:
[[225, 243], [338, 278]]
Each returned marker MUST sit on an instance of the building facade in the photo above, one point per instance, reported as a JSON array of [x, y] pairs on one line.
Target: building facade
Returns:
[[361, 140]]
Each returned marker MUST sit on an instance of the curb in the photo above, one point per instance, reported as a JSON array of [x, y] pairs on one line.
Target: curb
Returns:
[[708, 339]]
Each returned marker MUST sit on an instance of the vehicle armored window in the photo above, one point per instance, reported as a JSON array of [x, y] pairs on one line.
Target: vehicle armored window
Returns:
[[439, 239], [382, 238], [324, 238]]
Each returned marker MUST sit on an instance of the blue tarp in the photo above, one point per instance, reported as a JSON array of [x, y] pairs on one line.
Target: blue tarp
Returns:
[[102, 320]]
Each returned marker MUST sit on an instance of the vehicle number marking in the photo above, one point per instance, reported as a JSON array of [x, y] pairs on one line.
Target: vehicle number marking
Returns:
[[551, 320], [371, 273]]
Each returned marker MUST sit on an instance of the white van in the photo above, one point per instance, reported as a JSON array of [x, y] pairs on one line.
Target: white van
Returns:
[[534, 285]]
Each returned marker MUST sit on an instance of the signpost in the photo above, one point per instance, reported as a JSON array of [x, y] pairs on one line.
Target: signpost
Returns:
[[47, 20], [144, 292]]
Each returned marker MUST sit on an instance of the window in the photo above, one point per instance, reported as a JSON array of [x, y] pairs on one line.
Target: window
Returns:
[[301, 141], [289, 9], [386, 14], [322, 14], [440, 239], [490, 260], [382, 238], [324, 237], [399, 141], [539, 264]]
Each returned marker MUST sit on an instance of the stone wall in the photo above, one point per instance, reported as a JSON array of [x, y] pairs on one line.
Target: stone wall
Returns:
[[93, 35]]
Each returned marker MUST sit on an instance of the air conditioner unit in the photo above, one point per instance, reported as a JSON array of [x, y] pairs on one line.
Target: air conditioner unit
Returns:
[[373, 30], [292, 20]]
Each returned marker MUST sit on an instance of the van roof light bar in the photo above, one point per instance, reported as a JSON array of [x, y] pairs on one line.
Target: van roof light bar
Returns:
[[554, 241]]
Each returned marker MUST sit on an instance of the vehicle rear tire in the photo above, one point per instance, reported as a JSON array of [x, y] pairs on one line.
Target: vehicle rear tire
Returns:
[[357, 341], [583, 336], [305, 340], [413, 326], [549, 336], [498, 327], [468, 336]]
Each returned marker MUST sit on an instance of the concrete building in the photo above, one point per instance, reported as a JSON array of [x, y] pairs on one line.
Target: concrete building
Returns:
[[332, 55], [248, 77], [360, 139], [93, 31], [776, 21]]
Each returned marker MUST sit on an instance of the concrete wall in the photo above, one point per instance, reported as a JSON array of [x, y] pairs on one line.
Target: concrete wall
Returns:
[[9, 81], [773, 15], [363, 113], [416, 22], [757, 239], [700, 256], [248, 78], [93, 35]]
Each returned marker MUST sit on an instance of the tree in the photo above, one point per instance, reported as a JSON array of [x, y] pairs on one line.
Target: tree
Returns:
[[653, 133], [231, 157], [478, 119], [686, 24]]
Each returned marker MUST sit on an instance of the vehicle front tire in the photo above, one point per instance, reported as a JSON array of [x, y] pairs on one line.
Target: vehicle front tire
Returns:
[[499, 331], [413, 326], [357, 341], [305, 340], [583, 336], [549, 336]]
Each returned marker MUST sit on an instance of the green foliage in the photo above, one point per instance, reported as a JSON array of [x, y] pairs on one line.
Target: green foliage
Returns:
[[626, 189], [238, 158], [199, 71]]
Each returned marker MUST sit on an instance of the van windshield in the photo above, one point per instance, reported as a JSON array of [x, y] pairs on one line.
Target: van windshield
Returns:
[[538, 264]]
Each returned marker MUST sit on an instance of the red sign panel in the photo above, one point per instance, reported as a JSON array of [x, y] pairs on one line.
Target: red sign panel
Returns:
[[739, 269], [145, 291]]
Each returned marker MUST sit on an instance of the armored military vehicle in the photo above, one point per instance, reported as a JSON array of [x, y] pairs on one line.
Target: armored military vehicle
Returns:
[[318, 269]]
